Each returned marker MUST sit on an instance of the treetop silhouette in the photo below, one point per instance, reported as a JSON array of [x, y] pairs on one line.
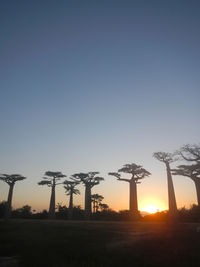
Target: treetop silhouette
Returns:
[[70, 185], [137, 171], [164, 157], [190, 153], [51, 178], [11, 178], [89, 178]]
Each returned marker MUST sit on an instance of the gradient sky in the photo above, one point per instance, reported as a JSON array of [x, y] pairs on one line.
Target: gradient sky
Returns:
[[92, 85]]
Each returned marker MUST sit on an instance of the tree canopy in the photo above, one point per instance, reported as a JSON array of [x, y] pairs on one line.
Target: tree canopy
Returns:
[[137, 172], [190, 154], [70, 187], [89, 178], [51, 178], [164, 157], [11, 178]]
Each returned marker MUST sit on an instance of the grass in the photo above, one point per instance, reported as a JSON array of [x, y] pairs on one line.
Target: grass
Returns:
[[101, 244]]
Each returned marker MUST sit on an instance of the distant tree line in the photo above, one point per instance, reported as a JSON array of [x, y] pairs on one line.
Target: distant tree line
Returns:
[[94, 208], [191, 214]]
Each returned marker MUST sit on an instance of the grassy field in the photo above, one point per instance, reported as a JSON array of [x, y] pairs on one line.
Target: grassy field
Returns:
[[62, 243]]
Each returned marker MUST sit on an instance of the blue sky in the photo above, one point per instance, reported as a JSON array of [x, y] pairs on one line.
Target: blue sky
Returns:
[[92, 85]]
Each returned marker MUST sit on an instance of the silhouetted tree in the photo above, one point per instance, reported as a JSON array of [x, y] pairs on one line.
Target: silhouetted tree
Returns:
[[89, 180], [70, 190], [10, 179], [96, 200], [191, 154], [51, 180], [137, 173], [103, 206], [24, 212], [3, 206], [167, 158]]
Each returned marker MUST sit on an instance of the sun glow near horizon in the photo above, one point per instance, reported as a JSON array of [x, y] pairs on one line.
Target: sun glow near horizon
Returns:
[[152, 206], [151, 209]]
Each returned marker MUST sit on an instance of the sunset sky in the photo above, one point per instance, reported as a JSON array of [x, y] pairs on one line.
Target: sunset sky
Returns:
[[93, 85]]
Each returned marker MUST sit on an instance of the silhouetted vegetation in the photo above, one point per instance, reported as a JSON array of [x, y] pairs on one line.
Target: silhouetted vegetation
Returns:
[[51, 180], [10, 179], [89, 180], [191, 214], [23, 213], [96, 201], [101, 211], [190, 154], [167, 158], [183, 215], [70, 190], [137, 173], [3, 205]]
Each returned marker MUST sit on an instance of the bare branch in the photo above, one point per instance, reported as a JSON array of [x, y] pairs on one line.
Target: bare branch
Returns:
[[190, 152]]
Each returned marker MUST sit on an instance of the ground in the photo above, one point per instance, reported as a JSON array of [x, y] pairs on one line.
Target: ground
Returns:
[[72, 243]]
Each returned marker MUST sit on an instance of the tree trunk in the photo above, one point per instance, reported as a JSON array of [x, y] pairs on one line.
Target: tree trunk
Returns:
[[9, 202], [87, 201], [97, 206], [133, 204], [171, 193], [197, 185], [93, 203], [52, 202], [71, 205]]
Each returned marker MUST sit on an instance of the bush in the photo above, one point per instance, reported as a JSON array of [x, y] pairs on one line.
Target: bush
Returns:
[[2, 208]]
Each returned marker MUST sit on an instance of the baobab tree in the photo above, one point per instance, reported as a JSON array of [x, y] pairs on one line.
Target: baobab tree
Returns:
[[70, 190], [137, 173], [51, 180], [190, 154], [10, 179], [96, 200], [89, 180], [167, 158]]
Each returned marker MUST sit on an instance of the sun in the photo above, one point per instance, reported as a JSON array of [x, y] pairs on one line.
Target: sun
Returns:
[[151, 209]]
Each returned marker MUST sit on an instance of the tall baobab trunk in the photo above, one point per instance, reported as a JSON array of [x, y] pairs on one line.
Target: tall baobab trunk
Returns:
[[133, 205], [87, 200], [197, 185], [71, 205], [71, 200], [9, 202], [171, 193], [52, 201]]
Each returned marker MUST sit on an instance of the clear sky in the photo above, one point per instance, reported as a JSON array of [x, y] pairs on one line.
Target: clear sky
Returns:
[[92, 85]]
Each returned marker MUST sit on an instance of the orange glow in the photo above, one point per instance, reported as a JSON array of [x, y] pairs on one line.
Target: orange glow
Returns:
[[151, 209], [152, 205]]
